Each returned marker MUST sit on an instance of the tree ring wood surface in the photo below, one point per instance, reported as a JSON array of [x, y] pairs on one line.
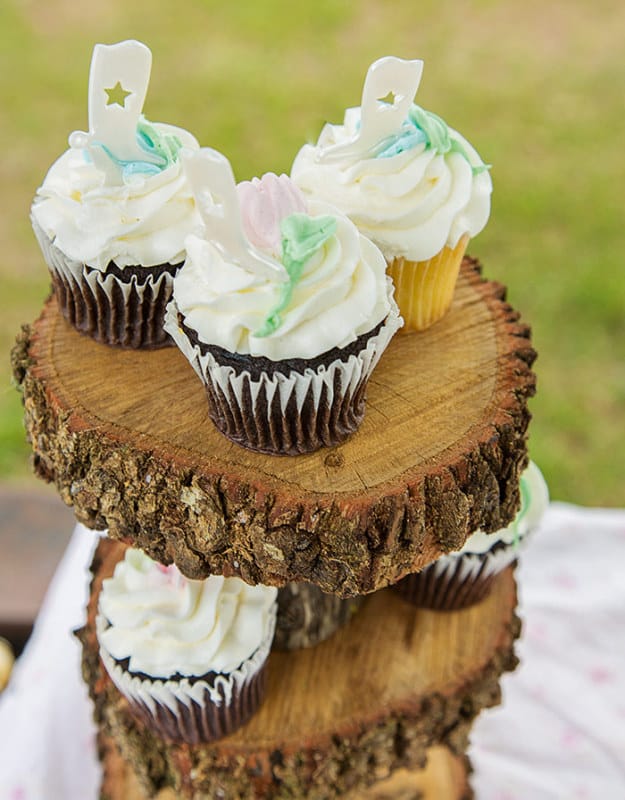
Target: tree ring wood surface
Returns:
[[372, 698], [126, 437]]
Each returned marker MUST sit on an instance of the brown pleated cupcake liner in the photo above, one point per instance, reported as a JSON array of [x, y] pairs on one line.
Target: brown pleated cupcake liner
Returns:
[[308, 616], [452, 582], [122, 308], [204, 721], [280, 413], [262, 424]]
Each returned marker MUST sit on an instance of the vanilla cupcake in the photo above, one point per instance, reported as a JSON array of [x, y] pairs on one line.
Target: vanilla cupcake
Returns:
[[114, 210], [410, 183], [188, 655], [283, 309], [461, 579]]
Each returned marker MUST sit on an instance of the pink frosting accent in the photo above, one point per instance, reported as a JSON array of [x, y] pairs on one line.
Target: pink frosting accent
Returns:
[[264, 203]]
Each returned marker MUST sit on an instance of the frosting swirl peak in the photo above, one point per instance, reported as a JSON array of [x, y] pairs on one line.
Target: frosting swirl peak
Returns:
[[166, 624]]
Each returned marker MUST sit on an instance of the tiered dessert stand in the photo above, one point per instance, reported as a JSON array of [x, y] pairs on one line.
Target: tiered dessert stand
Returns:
[[381, 709]]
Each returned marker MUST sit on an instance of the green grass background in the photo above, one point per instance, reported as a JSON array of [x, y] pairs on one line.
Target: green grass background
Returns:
[[537, 87]]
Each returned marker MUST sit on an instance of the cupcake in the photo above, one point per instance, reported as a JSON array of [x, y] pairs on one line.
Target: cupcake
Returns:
[[461, 579], [114, 210], [307, 616], [410, 183], [188, 655], [283, 309]]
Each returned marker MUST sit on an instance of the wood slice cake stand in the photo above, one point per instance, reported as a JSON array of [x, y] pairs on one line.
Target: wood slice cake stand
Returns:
[[338, 719], [444, 777], [126, 437]]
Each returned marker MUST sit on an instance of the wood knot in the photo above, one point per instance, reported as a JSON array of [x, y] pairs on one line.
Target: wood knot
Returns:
[[334, 459]]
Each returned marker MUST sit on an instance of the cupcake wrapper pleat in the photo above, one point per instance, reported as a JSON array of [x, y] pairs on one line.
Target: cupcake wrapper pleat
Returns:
[[288, 414], [101, 305], [456, 581], [424, 290], [199, 710]]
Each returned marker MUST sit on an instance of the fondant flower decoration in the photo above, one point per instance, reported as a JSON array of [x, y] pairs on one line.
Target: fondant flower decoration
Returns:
[[212, 181], [264, 215], [264, 203]]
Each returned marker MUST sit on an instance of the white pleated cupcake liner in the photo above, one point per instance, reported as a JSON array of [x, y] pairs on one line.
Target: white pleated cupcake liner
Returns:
[[105, 307], [286, 413], [199, 710]]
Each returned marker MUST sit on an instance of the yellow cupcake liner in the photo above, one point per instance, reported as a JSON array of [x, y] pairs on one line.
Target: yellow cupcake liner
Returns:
[[424, 289]]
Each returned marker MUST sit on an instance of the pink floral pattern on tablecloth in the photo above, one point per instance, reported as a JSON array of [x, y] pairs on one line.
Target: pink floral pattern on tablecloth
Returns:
[[560, 734]]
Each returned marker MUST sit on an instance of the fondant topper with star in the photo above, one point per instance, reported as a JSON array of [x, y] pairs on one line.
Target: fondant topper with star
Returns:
[[390, 86], [390, 123], [120, 141]]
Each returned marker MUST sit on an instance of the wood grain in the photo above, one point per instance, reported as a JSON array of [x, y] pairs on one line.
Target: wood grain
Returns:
[[372, 698], [126, 437]]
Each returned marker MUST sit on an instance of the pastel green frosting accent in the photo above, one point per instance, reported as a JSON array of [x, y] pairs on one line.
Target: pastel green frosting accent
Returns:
[[162, 147], [425, 127], [302, 236]]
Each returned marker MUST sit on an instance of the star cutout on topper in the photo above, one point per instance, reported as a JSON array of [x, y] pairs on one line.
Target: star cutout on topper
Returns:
[[117, 95], [390, 99]]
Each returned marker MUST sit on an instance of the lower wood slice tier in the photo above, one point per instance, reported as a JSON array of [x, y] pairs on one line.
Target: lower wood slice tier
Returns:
[[444, 777], [338, 717]]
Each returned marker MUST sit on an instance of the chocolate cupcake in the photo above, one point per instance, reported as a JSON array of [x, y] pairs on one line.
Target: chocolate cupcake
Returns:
[[461, 579], [307, 616], [189, 656], [283, 309], [113, 212]]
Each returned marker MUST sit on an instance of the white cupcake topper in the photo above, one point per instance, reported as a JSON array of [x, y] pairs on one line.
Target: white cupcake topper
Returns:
[[118, 83], [212, 181], [390, 77]]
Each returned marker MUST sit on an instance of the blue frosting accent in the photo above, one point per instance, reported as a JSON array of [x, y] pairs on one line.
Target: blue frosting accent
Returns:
[[163, 148], [406, 139], [130, 168], [424, 127]]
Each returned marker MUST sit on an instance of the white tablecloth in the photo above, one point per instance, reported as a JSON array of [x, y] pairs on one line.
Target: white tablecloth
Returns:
[[559, 735]]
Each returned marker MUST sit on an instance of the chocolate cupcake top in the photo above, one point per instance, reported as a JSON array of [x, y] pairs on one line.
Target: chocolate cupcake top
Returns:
[[276, 275], [165, 624], [534, 502], [408, 181], [119, 193]]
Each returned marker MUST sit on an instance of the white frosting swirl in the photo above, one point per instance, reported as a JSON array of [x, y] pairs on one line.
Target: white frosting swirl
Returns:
[[166, 624], [343, 293], [412, 204], [534, 502], [143, 221]]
